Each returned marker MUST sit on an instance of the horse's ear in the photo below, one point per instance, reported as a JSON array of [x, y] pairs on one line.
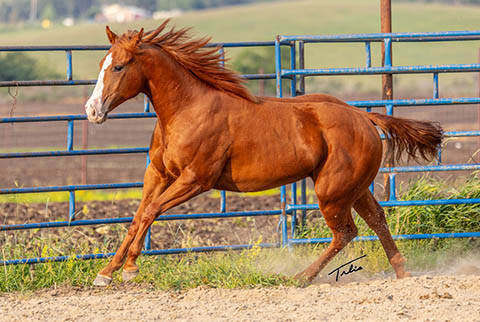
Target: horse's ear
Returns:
[[112, 37]]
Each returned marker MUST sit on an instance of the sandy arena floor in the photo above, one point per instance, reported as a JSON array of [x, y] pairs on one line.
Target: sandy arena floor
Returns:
[[425, 298]]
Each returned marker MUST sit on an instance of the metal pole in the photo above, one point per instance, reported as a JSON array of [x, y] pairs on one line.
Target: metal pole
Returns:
[[386, 27], [478, 115], [303, 185], [387, 80], [33, 10], [84, 147], [293, 93], [84, 160], [283, 189], [71, 199], [223, 194], [69, 65], [301, 65]]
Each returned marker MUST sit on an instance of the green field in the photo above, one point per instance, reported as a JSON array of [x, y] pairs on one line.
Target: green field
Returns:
[[265, 20]]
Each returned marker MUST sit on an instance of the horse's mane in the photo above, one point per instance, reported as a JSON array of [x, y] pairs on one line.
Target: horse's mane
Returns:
[[205, 63]]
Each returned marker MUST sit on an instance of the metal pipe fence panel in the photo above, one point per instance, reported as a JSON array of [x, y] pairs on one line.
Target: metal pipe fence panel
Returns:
[[70, 151], [389, 105], [285, 210]]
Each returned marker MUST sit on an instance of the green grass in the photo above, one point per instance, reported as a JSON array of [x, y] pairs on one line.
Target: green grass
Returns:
[[265, 20], [228, 270], [233, 269], [256, 267], [85, 196]]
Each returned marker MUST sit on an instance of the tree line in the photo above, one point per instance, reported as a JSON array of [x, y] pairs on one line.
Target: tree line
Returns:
[[14, 11]]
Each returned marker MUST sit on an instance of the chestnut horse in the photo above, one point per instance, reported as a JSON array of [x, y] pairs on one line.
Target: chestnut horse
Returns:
[[212, 133]]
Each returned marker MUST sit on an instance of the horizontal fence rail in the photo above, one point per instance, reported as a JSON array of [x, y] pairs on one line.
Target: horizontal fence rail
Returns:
[[68, 51], [286, 210], [379, 37]]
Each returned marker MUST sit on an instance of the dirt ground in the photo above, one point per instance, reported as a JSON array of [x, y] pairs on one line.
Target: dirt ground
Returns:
[[423, 298], [165, 234]]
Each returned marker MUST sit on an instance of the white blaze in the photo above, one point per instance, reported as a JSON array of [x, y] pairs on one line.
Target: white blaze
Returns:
[[95, 100]]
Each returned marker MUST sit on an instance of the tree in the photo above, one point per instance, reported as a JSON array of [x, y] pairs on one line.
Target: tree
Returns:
[[262, 62], [18, 66], [48, 12], [81, 8]]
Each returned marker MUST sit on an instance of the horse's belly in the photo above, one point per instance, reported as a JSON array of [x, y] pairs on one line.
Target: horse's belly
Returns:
[[257, 169], [225, 182]]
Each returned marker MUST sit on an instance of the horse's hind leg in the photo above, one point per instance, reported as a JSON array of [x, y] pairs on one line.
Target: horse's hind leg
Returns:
[[339, 218], [373, 214]]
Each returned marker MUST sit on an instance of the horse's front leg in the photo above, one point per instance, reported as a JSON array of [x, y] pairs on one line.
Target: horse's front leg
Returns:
[[155, 183], [185, 187]]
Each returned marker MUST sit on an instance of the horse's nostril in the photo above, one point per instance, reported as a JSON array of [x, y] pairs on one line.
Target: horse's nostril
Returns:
[[94, 113]]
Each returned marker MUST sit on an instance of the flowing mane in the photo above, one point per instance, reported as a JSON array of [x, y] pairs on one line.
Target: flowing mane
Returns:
[[204, 63]]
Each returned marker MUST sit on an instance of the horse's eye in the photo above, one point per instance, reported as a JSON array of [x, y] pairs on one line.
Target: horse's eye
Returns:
[[117, 68]]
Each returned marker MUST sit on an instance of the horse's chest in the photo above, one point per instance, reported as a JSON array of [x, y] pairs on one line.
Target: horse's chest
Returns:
[[172, 163]]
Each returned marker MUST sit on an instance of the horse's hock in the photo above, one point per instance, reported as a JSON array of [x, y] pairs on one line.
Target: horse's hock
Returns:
[[290, 206]]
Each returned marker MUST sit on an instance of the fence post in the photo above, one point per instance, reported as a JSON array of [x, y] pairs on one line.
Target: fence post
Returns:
[[71, 194], [303, 185], [223, 194], [148, 236], [283, 189], [69, 65], [293, 92], [387, 79], [478, 114]]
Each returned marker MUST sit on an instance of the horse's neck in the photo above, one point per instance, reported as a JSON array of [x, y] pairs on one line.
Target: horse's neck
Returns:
[[173, 89]]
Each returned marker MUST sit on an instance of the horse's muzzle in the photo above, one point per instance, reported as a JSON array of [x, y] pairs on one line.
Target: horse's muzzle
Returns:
[[95, 116]]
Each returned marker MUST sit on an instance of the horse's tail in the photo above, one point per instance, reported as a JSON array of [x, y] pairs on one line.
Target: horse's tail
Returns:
[[410, 136]]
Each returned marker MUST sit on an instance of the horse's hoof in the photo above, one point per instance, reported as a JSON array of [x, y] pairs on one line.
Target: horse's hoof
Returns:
[[302, 279], [128, 276], [403, 275], [101, 280]]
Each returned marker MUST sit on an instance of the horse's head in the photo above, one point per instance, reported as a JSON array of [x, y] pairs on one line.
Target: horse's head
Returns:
[[120, 77], [173, 54]]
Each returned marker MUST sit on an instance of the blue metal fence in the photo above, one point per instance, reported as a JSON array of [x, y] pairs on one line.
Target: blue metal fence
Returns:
[[291, 73], [70, 151], [388, 68]]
